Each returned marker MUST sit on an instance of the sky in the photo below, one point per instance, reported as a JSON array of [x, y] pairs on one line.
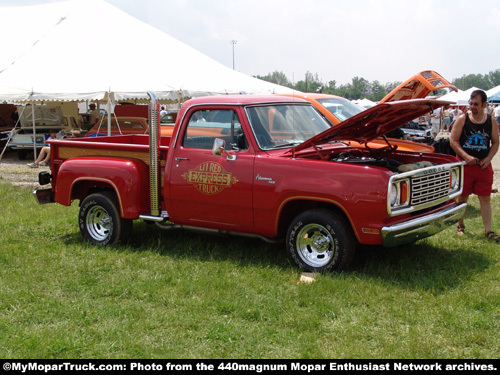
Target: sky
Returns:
[[383, 40]]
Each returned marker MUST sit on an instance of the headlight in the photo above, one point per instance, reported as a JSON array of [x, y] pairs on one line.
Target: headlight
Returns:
[[454, 179], [394, 194], [399, 195]]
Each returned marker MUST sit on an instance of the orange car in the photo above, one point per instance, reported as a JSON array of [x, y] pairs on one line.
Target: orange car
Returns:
[[418, 87], [129, 125], [119, 125], [337, 109]]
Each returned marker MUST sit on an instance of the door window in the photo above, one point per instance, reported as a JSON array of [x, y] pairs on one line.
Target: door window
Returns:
[[206, 125]]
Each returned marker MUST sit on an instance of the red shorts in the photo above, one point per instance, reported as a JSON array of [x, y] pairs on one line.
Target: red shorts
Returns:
[[477, 181]]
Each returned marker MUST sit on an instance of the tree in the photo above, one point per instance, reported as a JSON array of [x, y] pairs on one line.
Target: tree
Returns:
[[360, 88], [473, 80], [279, 78], [310, 84], [494, 78], [375, 91]]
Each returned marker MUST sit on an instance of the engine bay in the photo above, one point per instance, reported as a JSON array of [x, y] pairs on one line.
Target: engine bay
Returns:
[[389, 159], [347, 157]]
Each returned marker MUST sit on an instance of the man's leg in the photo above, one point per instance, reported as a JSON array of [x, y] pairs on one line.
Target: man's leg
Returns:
[[460, 224], [41, 155], [47, 154], [485, 205]]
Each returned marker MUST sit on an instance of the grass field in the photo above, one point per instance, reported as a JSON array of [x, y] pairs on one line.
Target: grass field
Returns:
[[176, 294]]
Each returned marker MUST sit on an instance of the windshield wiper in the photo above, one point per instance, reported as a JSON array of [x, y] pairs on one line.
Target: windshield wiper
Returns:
[[290, 144]]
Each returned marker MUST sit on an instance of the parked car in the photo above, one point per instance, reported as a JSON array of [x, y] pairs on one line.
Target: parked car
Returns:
[[167, 123], [415, 137], [337, 109], [418, 132], [418, 86], [8, 119], [269, 167], [132, 125], [119, 125], [40, 118]]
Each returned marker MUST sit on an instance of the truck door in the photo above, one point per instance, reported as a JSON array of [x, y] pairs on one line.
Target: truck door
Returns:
[[205, 188]]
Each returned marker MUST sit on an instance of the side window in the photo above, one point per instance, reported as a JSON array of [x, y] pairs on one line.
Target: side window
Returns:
[[206, 125]]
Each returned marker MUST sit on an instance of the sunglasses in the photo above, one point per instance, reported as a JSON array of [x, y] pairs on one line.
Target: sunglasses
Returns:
[[475, 104]]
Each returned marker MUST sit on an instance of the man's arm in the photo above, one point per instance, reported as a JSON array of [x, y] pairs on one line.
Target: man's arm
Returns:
[[456, 131], [494, 144]]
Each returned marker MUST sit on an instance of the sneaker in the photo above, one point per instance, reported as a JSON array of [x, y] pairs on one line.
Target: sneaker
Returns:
[[32, 165], [43, 163]]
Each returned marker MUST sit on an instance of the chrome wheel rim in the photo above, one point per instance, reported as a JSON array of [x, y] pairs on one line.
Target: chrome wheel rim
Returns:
[[99, 223], [315, 245]]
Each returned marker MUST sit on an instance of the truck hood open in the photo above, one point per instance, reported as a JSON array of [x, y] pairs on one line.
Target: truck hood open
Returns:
[[418, 87], [374, 122], [44, 115]]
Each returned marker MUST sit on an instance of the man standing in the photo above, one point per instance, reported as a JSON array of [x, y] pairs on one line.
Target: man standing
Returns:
[[496, 113], [474, 138], [436, 122], [95, 115]]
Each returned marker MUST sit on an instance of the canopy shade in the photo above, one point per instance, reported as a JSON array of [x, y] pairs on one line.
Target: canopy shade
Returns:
[[87, 49], [459, 97], [494, 94]]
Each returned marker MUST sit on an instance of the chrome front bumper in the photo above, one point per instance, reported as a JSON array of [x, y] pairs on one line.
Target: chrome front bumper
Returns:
[[416, 229]]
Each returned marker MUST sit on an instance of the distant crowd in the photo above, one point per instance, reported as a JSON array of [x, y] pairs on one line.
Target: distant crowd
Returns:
[[442, 119]]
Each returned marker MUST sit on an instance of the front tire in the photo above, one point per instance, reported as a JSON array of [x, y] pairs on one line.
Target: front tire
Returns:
[[100, 222], [320, 240]]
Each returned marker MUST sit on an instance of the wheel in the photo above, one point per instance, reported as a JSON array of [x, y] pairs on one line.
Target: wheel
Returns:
[[100, 221], [320, 240]]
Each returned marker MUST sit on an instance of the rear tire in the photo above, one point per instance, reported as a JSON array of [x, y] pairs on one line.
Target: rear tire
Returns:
[[320, 240], [100, 221]]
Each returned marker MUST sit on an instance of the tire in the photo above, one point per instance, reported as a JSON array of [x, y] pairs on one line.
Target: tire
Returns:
[[320, 240], [100, 222]]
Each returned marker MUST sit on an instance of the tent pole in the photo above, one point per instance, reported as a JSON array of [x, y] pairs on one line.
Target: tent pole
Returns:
[[108, 109], [34, 129]]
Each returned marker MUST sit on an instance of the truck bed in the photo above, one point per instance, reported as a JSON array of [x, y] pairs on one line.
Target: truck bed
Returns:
[[129, 146]]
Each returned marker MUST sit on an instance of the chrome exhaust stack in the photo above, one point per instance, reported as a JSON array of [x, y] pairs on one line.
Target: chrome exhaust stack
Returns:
[[154, 145]]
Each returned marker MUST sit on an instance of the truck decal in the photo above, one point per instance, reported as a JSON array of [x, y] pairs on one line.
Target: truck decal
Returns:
[[210, 178]]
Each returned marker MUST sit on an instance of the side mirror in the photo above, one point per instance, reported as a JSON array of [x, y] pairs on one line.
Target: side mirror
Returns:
[[219, 148]]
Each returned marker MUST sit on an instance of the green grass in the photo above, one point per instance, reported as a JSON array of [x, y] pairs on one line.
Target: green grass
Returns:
[[176, 294]]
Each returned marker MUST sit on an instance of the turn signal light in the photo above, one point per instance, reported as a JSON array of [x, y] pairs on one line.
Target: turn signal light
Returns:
[[404, 192]]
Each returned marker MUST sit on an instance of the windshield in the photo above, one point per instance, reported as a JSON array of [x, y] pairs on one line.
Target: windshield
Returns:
[[284, 125], [341, 108]]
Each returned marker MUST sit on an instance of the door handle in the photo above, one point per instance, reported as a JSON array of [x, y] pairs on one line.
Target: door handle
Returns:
[[177, 158]]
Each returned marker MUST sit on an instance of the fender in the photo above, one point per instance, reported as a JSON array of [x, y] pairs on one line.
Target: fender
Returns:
[[127, 177]]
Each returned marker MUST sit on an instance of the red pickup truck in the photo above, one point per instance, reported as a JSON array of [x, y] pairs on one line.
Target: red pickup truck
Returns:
[[265, 166]]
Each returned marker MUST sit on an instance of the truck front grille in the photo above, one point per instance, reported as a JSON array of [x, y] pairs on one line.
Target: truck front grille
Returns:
[[429, 188]]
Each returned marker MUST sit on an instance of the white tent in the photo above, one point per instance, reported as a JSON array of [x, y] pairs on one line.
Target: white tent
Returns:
[[365, 103], [86, 49], [494, 94], [459, 97]]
